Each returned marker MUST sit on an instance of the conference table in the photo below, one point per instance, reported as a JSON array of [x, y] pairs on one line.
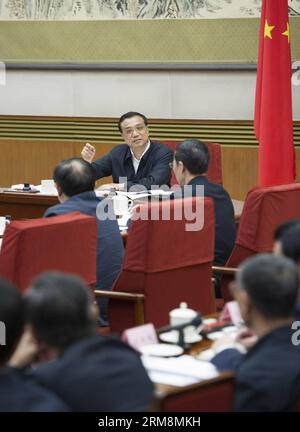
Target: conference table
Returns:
[[204, 386], [22, 205]]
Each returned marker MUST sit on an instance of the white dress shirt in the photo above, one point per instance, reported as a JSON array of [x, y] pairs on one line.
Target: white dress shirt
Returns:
[[136, 161]]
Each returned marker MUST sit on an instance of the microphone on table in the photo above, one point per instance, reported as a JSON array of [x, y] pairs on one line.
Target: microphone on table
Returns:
[[195, 322]]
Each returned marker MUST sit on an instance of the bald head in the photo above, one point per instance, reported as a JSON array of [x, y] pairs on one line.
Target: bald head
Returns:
[[74, 176]]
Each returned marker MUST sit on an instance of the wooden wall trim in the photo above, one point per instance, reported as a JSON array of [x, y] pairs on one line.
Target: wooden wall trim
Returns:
[[32, 146], [104, 130]]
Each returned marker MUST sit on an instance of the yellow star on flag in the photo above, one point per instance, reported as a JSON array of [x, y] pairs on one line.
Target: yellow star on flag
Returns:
[[287, 32], [268, 30]]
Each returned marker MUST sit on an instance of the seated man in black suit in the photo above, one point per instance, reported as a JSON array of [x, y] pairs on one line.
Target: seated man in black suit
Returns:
[[139, 161], [190, 164], [17, 391], [287, 243], [88, 371], [75, 183], [280, 232], [268, 376]]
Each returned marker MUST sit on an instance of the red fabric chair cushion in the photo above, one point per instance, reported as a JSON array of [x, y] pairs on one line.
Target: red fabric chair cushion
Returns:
[[63, 243], [170, 245], [167, 264], [265, 208]]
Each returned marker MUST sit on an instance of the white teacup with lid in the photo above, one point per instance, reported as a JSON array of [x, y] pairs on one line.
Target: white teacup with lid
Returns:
[[182, 314]]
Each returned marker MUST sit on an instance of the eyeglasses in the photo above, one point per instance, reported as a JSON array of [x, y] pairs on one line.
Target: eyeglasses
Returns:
[[139, 129]]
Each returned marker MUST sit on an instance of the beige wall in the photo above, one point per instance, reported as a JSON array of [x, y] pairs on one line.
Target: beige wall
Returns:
[[159, 94]]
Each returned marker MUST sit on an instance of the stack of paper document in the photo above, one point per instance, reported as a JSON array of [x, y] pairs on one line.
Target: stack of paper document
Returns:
[[133, 195], [34, 188], [143, 194], [137, 195], [160, 192], [178, 371], [19, 187]]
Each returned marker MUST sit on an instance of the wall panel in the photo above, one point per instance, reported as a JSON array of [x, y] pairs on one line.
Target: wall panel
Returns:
[[32, 146]]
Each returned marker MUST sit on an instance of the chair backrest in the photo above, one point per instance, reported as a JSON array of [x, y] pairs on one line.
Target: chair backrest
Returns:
[[215, 395], [166, 263], [265, 208], [214, 173], [64, 243], [297, 407]]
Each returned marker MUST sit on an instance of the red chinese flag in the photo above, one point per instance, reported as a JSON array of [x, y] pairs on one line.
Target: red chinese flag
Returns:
[[273, 121]]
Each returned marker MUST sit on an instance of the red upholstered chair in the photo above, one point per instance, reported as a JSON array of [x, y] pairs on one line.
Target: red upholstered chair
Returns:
[[65, 243], [164, 264], [215, 395], [265, 208], [214, 173]]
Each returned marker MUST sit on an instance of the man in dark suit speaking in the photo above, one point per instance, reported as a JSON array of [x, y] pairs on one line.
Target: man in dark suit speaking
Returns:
[[139, 161]]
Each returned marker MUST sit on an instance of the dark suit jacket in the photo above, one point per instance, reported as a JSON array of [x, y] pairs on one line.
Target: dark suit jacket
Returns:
[[98, 374], [268, 376], [230, 358], [225, 231], [110, 249], [153, 169], [297, 310], [20, 393]]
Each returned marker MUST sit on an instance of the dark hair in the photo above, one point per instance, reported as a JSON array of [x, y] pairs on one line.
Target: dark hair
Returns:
[[11, 318], [290, 243], [194, 155], [58, 306], [282, 228], [129, 115], [272, 283], [74, 176]]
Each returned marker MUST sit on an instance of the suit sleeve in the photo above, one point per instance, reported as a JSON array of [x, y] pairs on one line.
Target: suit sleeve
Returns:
[[103, 166], [159, 175], [228, 359], [50, 212]]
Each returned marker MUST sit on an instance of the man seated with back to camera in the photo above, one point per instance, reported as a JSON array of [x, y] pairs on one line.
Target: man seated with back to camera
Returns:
[[18, 392], [89, 372], [140, 161], [287, 243], [190, 165], [75, 183], [268, 375]]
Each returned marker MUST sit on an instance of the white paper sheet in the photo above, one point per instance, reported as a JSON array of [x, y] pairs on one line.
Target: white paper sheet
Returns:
[[184, 369], [134, 195]]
